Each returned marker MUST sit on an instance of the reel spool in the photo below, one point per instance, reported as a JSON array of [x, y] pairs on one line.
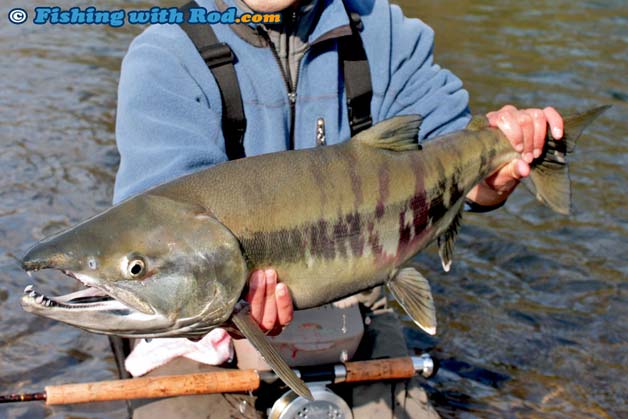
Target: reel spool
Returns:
[[326, 405]]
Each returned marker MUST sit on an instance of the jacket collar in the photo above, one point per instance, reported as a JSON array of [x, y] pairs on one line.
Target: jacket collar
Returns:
[[329, 20], [332, 23]]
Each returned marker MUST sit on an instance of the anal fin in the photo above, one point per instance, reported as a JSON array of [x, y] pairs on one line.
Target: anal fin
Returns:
[[447, 240], [245, 323], [412, 292]]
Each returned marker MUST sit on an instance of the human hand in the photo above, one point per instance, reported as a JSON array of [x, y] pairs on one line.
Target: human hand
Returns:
[[271, 303], [526, 129]]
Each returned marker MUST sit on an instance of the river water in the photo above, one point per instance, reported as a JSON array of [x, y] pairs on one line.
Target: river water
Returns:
[[533, 315]]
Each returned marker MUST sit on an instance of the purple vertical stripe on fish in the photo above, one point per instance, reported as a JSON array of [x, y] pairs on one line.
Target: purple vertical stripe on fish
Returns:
[[384, 184]]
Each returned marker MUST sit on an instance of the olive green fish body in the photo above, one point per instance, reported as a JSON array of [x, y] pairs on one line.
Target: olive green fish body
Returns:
[[331, 220], [336, 220]]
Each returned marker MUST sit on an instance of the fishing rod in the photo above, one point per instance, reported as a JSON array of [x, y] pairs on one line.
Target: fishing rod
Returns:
[[228, 381]]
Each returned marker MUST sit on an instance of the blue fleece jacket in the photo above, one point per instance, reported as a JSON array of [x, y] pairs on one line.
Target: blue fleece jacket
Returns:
[[169, 107]]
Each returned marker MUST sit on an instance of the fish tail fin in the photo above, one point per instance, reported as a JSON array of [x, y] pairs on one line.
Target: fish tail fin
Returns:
[[549, 173]]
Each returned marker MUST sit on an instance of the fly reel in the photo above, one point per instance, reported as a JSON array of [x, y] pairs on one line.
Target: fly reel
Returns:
[[326, 405]]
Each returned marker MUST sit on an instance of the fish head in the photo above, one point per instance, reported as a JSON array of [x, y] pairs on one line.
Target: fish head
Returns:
[[152, 267]]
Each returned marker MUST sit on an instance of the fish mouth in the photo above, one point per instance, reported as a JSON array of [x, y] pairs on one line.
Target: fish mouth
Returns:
[[88, 298], [98, 309]]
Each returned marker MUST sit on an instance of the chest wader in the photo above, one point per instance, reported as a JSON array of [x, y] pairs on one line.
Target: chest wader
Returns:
[[219, 59]]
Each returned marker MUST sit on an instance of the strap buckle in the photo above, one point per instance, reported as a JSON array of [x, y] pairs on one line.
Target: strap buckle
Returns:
[[218, 54], [239, 128], [361, 124], [359, 109]]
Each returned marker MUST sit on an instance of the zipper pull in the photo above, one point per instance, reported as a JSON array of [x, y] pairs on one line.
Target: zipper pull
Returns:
[[320, 132], [292, 97]]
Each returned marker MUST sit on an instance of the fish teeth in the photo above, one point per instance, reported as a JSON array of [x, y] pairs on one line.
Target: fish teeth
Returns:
[[39, 299], [29, 273], [28, 289]]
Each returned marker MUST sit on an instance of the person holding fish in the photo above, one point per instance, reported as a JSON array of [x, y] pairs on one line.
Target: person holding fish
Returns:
[[296, 89]]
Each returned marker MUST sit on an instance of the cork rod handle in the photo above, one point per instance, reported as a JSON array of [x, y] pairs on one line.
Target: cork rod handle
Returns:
[[384, 369], [153, 387]]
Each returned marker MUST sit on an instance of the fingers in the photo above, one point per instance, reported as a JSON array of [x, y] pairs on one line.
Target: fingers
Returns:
[[540, 131], [527, 129], [257, 294], [506, 119], [285, 310], [555, 122], [270, 301], [524, 119], [269, 318]]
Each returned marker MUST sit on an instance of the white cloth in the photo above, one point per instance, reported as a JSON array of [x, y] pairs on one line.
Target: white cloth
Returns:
[[214, 349]]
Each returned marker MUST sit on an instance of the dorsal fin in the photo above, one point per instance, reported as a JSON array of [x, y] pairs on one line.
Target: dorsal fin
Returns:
[[400, 133], [477, 123]]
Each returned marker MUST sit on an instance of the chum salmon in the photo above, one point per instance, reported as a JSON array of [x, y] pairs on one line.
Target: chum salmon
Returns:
[[332, 221]]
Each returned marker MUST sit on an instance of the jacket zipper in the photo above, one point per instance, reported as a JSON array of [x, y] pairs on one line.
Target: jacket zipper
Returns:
[[292, 90], [292, 96]]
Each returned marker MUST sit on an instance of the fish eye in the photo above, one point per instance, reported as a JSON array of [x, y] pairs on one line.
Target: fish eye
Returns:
[[136, 267], [92, 263]]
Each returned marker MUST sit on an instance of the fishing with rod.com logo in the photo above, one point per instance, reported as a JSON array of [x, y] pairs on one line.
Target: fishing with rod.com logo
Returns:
[[120, 17]]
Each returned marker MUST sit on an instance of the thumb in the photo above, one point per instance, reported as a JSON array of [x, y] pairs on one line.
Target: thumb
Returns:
[[520, 169], [506, 178]]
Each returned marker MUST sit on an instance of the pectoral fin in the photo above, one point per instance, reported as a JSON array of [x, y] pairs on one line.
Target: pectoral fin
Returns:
[[412, 292], [447, 240], [243, 321]]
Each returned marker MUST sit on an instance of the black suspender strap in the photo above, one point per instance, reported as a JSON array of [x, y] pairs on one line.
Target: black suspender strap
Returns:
[[219, 59], [357, 77]]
